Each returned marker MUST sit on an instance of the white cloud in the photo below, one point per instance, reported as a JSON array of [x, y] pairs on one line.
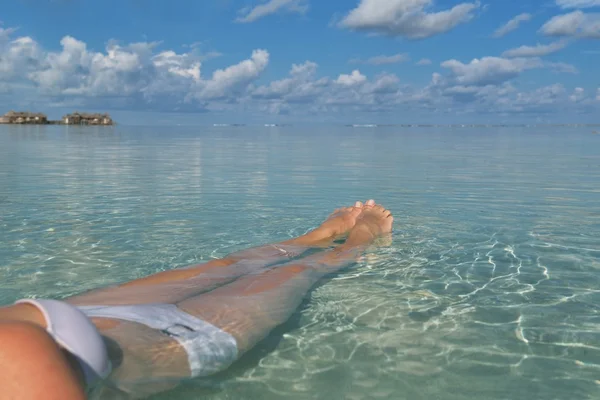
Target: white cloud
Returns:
[[5, 34], [489, 70], [501, 99], [381, 60], [562, 67], [382, 93], [271, 7], [385, 83], [77, 71], [576, 23], [407, 18], [535, 51], [511, 25], [17, 57], [301, 86], [578, 95], [233, 78], [424, 61], [304, 88], [544, 99], [178, 64], [578, 3], [127, 72], [143, 76], [355, 78]]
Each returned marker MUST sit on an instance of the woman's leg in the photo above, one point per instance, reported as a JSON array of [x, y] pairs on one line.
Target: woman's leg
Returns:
[[34, 367], [337, 224], [248, 309], [178, 284], [252, 306]]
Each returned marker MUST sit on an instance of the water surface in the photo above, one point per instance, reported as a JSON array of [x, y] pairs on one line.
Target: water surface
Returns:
[[489, 289]]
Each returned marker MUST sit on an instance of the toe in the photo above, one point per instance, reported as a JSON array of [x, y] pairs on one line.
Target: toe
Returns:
[[358, 204], [370, 203]]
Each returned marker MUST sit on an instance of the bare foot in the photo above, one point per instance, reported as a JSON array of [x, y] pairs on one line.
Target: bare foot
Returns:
[[340, 222], [373, 222]]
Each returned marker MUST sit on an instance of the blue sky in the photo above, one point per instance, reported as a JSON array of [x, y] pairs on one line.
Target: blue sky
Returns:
[[348, 61]]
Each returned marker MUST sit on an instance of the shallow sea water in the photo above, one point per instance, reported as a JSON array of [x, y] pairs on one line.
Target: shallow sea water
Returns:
[[489, 290]]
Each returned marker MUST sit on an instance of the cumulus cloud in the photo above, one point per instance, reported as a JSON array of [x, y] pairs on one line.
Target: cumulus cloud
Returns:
[[538, 50], [500, 99], [251, 14], [474, 87], [407, 18], [5, 34], [576, 24], [355, 78], [489, 70], [578, 3], [18, 57], [233, 78], [577, 95], [135, 70], [300, 87], [511, 25], [381, 60], [143, 76], [544, 99], [77, 71], [424, 61], [303, 88], [550, 98]]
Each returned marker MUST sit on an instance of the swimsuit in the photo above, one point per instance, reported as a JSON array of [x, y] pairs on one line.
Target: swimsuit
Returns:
[[209, 349]]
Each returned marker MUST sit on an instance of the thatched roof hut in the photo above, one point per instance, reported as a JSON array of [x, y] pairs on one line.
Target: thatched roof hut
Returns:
[[24, 117], [78, 118]]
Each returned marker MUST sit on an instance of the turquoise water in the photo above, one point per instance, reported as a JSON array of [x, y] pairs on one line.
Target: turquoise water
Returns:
[[490, 288]]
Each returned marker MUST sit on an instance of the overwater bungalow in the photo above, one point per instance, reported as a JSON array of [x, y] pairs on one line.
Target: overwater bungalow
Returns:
[[78, 118], [23, 117]]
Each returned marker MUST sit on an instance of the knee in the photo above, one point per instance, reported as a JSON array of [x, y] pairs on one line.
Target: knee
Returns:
[[295, 269]]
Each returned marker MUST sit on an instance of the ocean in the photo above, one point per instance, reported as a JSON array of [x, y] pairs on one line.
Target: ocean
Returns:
[[489, 290]]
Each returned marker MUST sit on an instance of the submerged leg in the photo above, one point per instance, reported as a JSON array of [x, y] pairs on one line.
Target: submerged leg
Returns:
[[178, 284], [248, 309], [252, 306]]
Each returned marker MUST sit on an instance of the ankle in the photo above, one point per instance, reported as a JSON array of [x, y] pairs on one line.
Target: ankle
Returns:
[[314, 237]]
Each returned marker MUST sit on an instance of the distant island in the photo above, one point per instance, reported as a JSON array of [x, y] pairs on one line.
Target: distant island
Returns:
[[76, 118]]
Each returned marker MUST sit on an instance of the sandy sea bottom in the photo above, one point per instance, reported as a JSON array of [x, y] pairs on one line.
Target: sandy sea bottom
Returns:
[[490, 288]]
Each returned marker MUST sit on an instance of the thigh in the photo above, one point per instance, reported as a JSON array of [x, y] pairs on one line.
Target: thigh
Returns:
[[252, 306], [142, 357]]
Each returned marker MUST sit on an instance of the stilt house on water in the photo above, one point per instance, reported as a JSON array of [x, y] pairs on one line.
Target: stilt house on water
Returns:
[[23, 117], [87, 119]]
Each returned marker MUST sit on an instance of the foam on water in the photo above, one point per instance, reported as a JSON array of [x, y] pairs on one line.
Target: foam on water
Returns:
[[488, 290]]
